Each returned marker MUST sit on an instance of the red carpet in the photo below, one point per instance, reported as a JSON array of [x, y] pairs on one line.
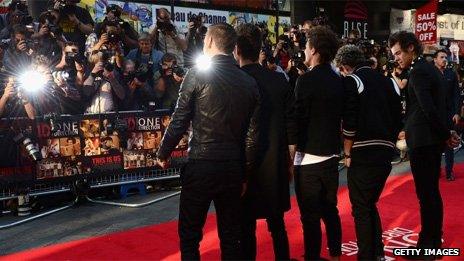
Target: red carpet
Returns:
[[398, 208]]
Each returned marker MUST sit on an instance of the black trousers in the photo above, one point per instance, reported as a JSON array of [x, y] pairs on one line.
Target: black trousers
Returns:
[[276, 227], [316, 188], [203, 182], [425, 166], [365, 184]]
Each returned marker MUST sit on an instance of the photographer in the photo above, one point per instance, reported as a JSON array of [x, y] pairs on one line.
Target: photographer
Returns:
[[128, 34], [102, 87], [167, 38], [19, 52], [11, 103], [109, 42], [281, 53], [74, 20], [138, 91], [195, 37], [146, 58], [167, 87], [17, 14], [49, 37]]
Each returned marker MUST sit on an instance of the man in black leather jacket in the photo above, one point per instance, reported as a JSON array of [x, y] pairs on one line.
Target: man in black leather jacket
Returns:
[[222, 103], [427, 133]]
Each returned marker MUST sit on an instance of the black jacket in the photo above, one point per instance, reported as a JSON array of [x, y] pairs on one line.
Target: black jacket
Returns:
[[318, 110], [372, 110], [452, 94], [268, 185], [426, 122], [222, 105]]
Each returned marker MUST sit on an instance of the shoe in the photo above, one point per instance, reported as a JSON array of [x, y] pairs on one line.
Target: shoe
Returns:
[[450, 177]]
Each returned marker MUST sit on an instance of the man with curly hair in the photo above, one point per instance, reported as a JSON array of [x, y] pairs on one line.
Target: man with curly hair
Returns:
[[371, 123]]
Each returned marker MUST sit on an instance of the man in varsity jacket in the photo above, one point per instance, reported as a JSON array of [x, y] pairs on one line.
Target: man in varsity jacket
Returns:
[[371, 123]]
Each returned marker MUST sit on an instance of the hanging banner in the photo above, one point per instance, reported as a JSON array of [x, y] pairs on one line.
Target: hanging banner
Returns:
[[355, 18], [426, 23]]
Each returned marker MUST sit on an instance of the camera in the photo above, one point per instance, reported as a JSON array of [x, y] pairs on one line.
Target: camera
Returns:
[[391, 65], [179, 71], [107, 59], [142, 73], [114, 37], [64, 8], [299, 59], [22, 138], [165, 27]]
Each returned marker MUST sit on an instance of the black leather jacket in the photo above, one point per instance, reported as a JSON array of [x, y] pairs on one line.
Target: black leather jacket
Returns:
[[222, 104]]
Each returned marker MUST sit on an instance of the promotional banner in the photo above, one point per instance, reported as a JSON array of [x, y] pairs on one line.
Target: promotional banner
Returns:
[[355, 18], [67, 146], [451, 26], [143, 16], [426, 23]]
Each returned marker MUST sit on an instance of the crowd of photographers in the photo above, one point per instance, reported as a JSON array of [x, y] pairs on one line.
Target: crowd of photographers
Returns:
[[90, 67], [109, 66]]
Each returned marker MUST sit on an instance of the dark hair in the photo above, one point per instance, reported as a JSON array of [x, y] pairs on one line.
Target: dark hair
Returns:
[[16, 4], [168, 57], [19, 29], [405, 39], [224, 36], [249, 41], [324, 41], [349, 55], [435, 55]]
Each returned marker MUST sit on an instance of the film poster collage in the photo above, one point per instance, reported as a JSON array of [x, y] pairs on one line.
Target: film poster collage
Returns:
[[83, 146]]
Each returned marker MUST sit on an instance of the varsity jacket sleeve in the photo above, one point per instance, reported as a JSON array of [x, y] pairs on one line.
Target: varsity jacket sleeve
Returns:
[[422, 87], [350, 107], [301, 112], [180, 120]]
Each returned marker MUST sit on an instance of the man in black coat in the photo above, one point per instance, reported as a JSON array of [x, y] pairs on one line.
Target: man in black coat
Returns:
[[267, 194], [427, 133], [318, 112], [222, 103], [453, 103]]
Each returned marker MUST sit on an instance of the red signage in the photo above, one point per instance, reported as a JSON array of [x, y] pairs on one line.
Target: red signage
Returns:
[[426, 23]]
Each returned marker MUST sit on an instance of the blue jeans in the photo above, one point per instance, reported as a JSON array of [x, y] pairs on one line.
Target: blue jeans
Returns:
[[449, 161]]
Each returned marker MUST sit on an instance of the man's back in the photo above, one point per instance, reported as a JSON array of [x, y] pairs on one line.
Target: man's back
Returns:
[[318, 108], [219, 102]]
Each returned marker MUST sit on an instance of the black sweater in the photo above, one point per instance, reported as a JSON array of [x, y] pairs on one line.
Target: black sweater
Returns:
[[318, 111]]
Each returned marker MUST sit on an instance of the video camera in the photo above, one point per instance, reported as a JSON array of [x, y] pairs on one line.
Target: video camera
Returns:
[[24, 138], [107, 59]]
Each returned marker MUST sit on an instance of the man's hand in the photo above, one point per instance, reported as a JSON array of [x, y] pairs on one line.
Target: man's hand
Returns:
[[103, 39], [9, 89], [402, 135], [73, 19], [456, 119], [244, 189], [454, 140], [191, 25], [43, 31], [98, 67], [164, 164], [108, 74], [347, 161], [22, 46]]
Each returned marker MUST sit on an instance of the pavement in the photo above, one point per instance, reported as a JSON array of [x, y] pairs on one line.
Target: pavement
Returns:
[[91, 219]]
